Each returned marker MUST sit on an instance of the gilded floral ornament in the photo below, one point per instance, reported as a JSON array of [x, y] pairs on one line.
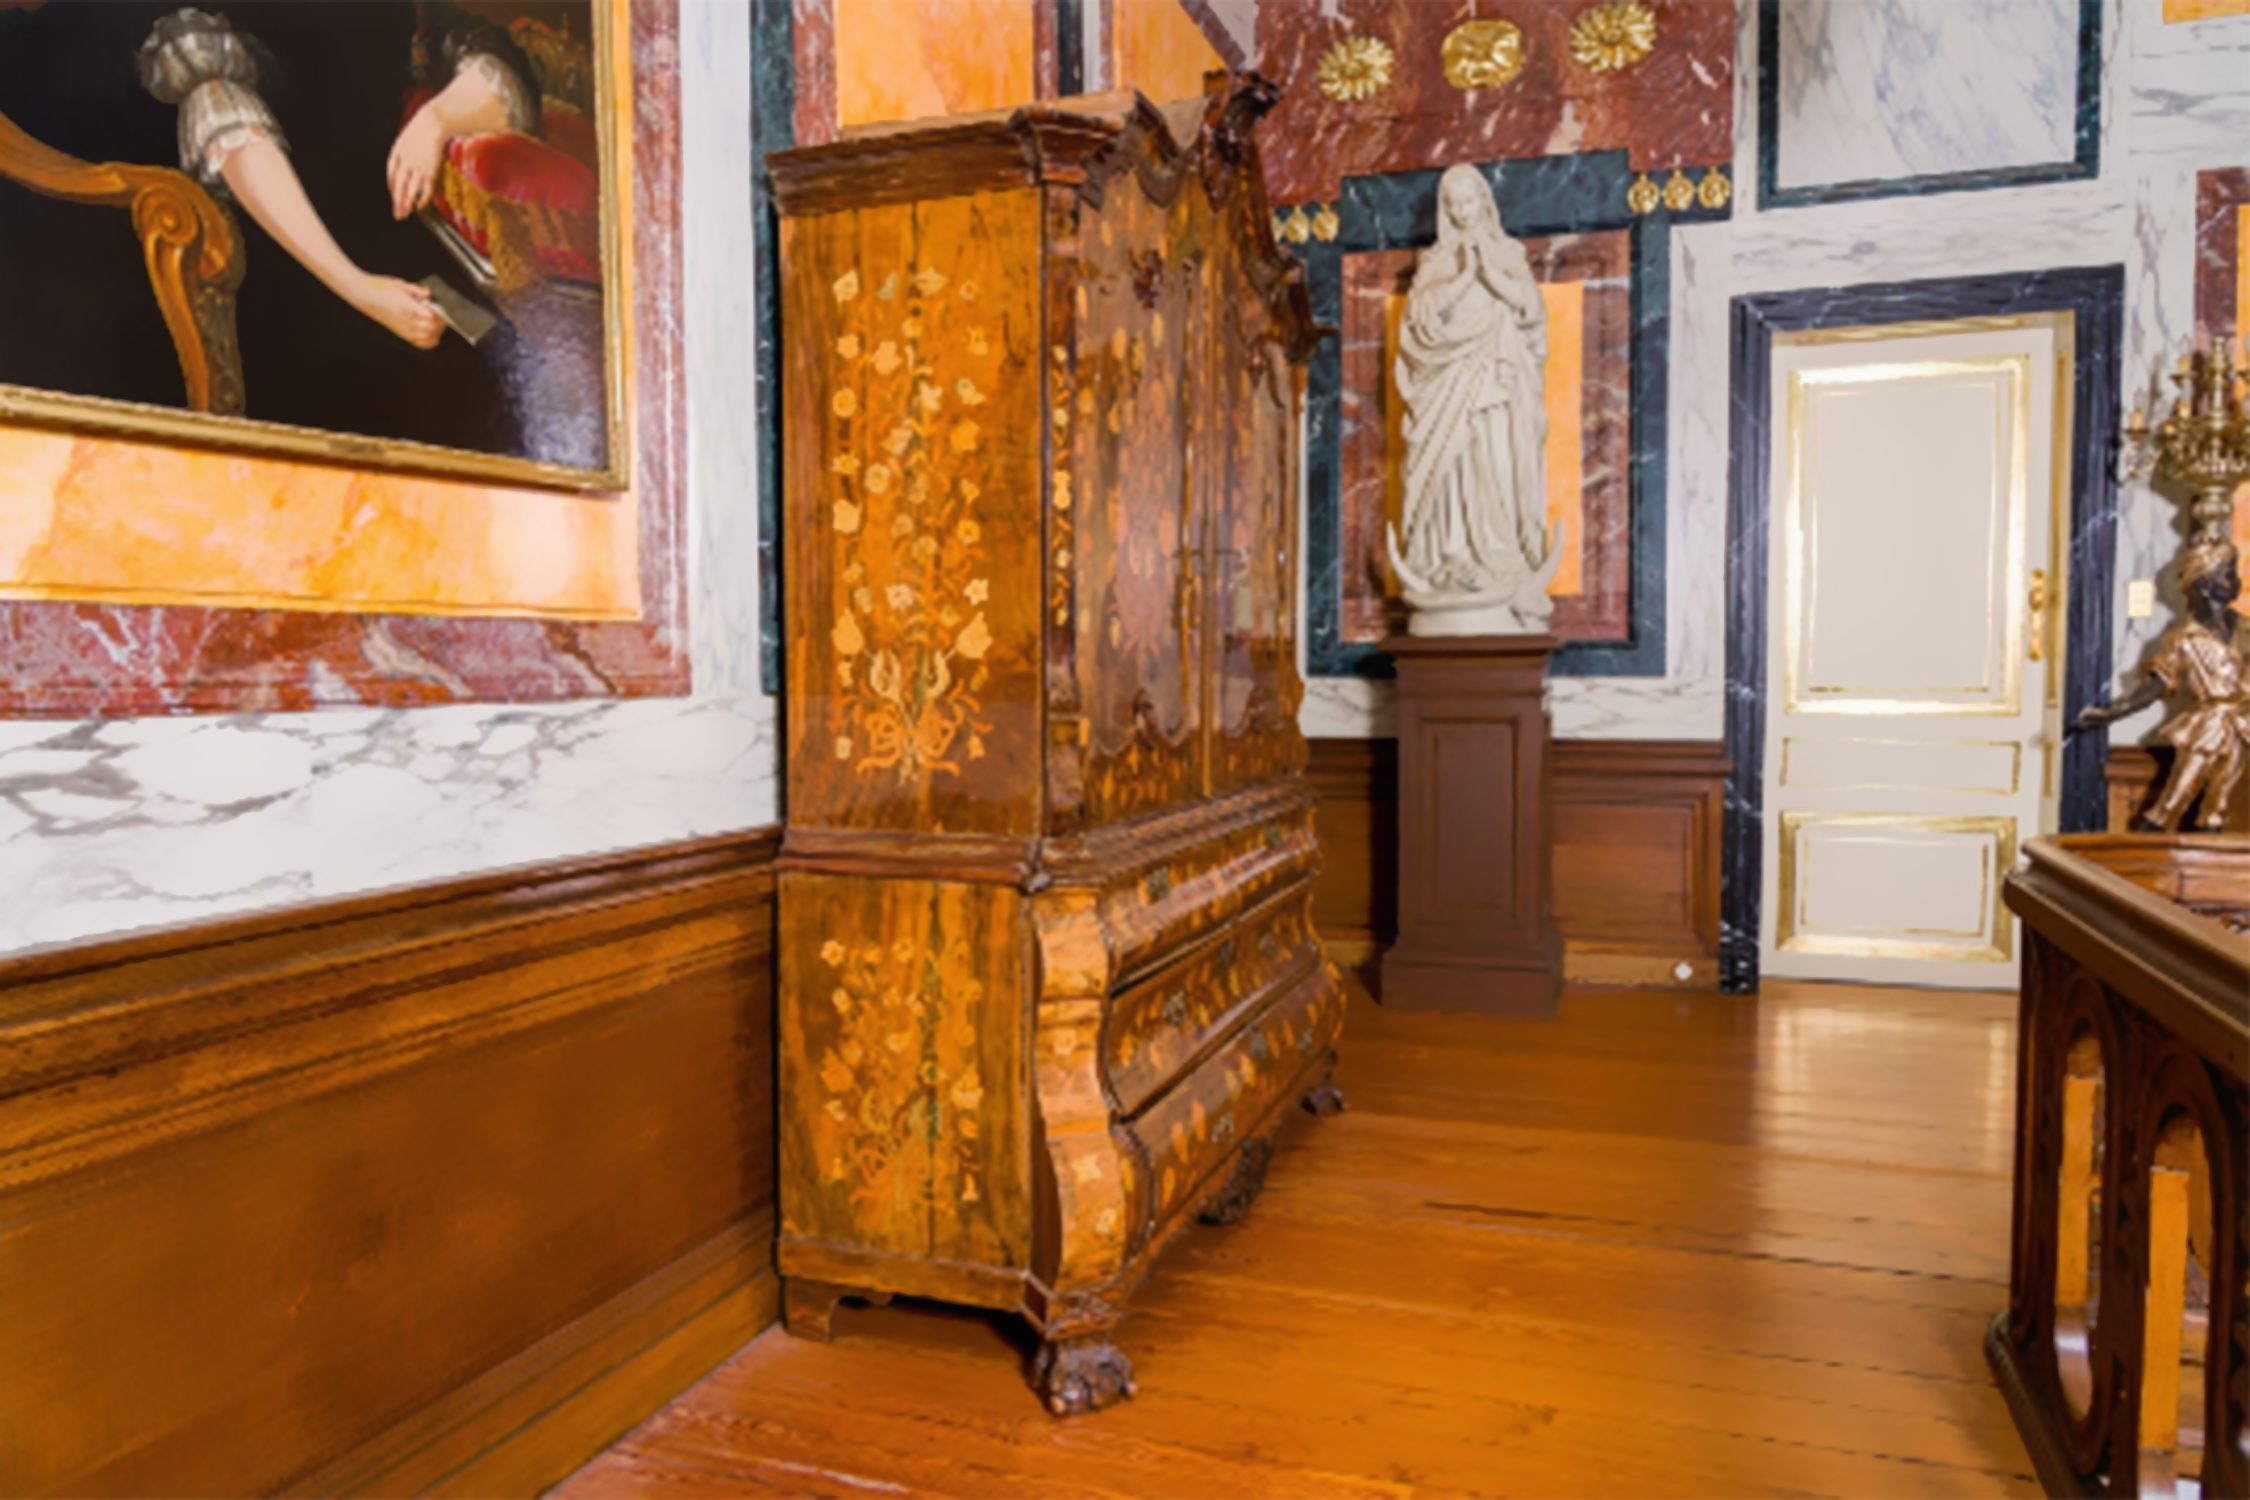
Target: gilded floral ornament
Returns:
[[1613, 37], [1644, 195], [1679, 193], [1482, 54], [1356, 68], [1325, 224], [1296, 228], [1715, 190]]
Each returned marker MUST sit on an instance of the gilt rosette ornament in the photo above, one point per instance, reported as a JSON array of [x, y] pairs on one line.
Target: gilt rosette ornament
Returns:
[[1482, 55], [1356, 68], [1613, 37]]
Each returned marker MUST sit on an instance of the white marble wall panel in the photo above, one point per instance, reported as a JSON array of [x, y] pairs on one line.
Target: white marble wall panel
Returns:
[[2188, 104], [1873, 90], [1697, 423], [1579, 708], [124, 824], [133, 823], [2163, 115]]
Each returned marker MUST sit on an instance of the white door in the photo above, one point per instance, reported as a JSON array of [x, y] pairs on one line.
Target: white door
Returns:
[[1919, 480]]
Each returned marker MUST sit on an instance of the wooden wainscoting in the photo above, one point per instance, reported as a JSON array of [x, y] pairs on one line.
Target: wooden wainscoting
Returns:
[[439, 1189], [1636, 874]]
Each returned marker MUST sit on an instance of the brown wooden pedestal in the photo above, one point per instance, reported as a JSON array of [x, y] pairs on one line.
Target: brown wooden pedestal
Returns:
[[1476, 925]]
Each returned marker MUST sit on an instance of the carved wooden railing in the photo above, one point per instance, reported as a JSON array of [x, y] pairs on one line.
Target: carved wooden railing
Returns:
[[190, 243], [2125, 1349]]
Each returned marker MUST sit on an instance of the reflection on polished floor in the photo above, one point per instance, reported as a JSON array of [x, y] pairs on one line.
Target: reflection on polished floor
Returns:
[[1663, 1245]]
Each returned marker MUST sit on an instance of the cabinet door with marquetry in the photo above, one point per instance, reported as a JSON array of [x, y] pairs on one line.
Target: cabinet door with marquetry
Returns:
[[1255, 689], [913, 399], [1134, 504]]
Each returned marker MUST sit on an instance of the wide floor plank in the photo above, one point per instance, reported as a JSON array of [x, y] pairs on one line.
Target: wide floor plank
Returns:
[[1663, 1245]]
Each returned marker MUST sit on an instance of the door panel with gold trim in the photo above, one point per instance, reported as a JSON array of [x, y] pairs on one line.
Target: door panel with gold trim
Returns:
[[1910, 731]]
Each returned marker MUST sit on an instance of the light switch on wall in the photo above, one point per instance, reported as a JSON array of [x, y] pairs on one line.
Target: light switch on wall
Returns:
[[2140, 598]]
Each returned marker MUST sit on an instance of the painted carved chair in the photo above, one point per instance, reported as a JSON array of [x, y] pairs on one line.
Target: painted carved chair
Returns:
[[190, 243]]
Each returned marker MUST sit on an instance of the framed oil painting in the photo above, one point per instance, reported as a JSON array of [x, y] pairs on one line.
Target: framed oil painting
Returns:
[[383, 234]]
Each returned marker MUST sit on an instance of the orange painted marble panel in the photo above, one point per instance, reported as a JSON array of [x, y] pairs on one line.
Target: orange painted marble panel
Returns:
[[909, 59], [87, 518], [1158, 49], [2204, 10], [1566, 393]]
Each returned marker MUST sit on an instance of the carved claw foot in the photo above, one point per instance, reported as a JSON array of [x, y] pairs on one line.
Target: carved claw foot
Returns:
[[1076, 1376], [1244, 1182], [1324, 1098]]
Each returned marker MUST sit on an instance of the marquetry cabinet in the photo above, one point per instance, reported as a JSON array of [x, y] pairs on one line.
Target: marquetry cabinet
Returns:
[[1048, 975]]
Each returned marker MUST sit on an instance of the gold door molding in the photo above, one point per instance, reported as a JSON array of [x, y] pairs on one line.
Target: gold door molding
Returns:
[[1918, 861], [1836, 403]]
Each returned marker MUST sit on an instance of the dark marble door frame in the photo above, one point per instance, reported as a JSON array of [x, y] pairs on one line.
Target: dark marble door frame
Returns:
[[2095, 297]]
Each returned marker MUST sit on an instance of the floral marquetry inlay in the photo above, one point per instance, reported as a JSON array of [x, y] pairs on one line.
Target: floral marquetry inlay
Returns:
[[913, 358], [900, 1072], [903, 1053]]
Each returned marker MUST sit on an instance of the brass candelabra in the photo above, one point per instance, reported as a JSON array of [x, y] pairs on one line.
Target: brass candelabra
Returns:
[[2203, 441]]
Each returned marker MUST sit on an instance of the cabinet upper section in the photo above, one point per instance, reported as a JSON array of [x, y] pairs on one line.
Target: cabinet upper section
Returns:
[[1041, 380]]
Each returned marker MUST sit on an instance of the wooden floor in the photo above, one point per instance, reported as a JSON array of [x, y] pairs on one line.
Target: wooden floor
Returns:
[[1663, 1245]]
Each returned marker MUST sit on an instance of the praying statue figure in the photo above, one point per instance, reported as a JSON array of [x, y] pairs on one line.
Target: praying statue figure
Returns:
[[1473, 551]]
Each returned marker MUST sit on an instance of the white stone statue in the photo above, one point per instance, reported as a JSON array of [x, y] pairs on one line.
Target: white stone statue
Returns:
[[1475, 557]]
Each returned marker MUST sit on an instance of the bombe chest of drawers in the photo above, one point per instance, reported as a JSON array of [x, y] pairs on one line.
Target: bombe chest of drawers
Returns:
[[1048, 975]]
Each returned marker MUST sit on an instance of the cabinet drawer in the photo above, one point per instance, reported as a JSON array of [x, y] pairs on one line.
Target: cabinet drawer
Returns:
[[1153, 908], [1163, 1023], [1195, 1129]]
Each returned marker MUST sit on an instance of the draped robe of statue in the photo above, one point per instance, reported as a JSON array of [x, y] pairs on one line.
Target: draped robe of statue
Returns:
[[1472, 549]]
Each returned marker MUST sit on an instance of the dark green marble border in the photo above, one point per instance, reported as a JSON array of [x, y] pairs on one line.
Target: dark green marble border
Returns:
[[2085, 162], [1538, 196], [773, 127]]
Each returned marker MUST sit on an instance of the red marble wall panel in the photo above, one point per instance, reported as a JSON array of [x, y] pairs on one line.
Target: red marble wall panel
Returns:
[[812, 37], [1674, 108], [71, 660], [1597, 526], [2222, 286], [2222, 197]]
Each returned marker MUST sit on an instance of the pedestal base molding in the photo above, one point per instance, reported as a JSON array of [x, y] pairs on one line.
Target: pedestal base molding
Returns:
[[1476, 926]]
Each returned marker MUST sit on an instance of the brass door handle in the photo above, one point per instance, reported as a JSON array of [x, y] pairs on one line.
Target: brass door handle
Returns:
[[2035, 606]]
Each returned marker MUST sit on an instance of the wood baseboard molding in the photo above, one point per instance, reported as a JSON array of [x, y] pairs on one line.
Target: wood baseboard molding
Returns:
[[527, 1424], [439, 1188], [1636, 831]]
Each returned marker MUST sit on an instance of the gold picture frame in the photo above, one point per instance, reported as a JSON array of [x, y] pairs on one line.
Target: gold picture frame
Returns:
[[194, 276]]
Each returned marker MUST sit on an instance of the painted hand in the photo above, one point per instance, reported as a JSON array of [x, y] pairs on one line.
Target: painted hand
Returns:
[[415, 155], [403, 308]]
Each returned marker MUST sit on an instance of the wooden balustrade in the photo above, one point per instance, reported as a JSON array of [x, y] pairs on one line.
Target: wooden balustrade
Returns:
[[2125, 1349]]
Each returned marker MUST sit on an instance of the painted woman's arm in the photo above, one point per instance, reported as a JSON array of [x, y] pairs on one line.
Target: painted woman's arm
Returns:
[[469, 105], [258, 173]]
